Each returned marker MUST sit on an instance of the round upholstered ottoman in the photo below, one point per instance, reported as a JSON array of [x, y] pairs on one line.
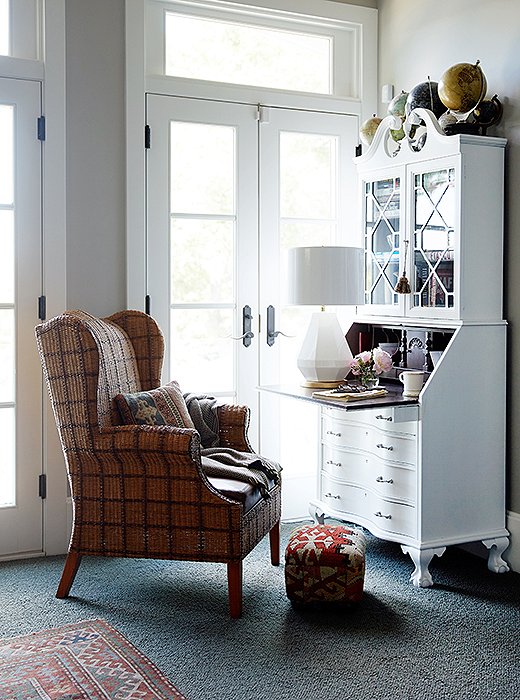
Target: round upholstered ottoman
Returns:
[[325, 563]]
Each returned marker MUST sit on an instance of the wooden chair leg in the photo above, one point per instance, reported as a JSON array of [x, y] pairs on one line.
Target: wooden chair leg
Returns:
[[69, 572], [274, 542], [234, 576]]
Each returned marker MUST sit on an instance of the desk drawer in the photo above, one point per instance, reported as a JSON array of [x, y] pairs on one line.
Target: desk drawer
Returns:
[[367, 507], [386, 480], [386, 445], [400, 419]]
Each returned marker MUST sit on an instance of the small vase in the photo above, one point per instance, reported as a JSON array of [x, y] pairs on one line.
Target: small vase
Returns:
[[370, 382]]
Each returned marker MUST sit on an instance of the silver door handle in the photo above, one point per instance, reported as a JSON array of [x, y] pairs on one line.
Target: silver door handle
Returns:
[[247, 333], [271, 333]]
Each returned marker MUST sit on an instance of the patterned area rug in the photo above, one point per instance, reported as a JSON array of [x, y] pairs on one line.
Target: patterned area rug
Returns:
[[85, 660]]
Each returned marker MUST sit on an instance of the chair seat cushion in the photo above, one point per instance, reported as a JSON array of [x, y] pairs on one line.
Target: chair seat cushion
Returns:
[[240, 491], [162, 406], [325, 563]]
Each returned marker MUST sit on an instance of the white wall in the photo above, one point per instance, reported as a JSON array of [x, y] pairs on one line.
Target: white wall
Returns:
[[95, 103], [417, 39]]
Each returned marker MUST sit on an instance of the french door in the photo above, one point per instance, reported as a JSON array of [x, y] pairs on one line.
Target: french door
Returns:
[[20, 280], [230, 187]]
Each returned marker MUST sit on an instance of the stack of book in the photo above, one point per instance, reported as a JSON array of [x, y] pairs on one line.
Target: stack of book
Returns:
[[346, 395]]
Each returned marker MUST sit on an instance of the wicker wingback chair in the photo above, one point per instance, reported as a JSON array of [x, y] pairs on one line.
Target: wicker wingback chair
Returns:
[[139, 491]]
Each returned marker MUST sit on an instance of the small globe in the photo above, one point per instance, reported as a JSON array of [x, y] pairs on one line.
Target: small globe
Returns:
[[488, 112], [425, 95], [368, 129], [462, 86], [446, 119], [397, 106]]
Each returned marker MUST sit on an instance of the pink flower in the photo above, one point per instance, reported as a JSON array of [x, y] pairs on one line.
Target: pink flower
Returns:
[[382, 361]]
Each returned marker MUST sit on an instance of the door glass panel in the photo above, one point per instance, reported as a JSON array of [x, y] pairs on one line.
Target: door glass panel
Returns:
[[7, 345], [201, 261], [202, 252], [7, 325], [6, 155], [7, 440], [307, 163], [202, 168], [210, 49], [4, 27], [434, 214], [202, 362], [6, 256]]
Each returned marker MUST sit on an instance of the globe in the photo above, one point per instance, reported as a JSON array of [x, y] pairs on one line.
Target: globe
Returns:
[[488, 112], [368, 129], [462, 87], [425, 95], [398, 104]]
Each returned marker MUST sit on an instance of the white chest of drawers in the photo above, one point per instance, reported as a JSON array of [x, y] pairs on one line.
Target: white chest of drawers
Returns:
[[369, 468]]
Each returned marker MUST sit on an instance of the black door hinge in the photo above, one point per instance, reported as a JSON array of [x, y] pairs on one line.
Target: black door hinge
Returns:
[[41, 128], [358, 150], [147, 136], [42, 308], [147, 304], [42, 485]]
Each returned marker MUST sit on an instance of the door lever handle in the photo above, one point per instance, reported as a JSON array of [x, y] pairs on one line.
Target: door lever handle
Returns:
[[247, 333], [271, 333]]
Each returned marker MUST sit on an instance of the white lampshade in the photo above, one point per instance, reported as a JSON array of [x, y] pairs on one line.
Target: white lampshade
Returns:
[[320, 276], [325, 275]]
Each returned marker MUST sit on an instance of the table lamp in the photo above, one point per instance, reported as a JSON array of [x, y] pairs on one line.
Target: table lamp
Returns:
[[323, 276]]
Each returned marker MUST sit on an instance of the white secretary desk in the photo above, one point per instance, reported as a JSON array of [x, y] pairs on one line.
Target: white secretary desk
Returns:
[[432, 473]]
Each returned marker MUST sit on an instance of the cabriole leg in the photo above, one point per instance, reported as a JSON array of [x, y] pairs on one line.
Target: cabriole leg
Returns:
[[496, 548], [421, 577]]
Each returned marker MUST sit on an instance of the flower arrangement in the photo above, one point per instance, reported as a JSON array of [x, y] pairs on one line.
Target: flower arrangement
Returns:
[[369, 364]]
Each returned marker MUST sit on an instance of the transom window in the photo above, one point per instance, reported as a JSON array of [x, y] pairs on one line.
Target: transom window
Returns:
[[211, 49]]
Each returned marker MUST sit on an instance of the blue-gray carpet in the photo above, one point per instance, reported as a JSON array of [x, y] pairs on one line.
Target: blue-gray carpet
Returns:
[[457, 641]]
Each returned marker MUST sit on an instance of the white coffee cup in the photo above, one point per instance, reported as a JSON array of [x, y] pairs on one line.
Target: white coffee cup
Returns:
[[412, 381]]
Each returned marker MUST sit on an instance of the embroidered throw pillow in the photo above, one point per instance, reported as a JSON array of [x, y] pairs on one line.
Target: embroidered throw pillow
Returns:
[[162, 406]]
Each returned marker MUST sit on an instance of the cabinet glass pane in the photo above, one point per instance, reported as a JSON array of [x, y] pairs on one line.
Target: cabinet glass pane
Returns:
[[434, 223], [202, 159], [202, 362], [382, 237], [201, 261]]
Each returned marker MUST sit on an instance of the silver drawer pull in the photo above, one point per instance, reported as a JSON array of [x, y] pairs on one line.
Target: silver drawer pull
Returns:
[[330, 432], [385, 447], [380, 480], [335, 464], [380, 515], [331, 495], [380, 417]]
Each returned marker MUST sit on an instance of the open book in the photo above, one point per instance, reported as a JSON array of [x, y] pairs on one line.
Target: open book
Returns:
[[335, 395]]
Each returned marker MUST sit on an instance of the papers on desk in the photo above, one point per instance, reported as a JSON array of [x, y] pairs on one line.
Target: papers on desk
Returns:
[[335, 395]]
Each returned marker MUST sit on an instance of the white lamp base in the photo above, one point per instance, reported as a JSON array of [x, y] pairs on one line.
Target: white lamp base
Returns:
[[325, 355]]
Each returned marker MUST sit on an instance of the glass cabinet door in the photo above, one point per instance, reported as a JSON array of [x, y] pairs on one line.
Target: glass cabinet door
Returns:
[[382, 224], [433, 239]]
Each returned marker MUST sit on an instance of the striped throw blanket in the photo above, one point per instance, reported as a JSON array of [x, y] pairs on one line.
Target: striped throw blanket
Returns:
[[225, 462]]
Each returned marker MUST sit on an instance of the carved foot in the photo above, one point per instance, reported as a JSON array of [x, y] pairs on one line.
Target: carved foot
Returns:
[[317, 513], [496, 548], [421, 577]]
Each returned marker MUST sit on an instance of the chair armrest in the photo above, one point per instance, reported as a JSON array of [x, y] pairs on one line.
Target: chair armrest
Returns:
[[161, 446], [233, 425]]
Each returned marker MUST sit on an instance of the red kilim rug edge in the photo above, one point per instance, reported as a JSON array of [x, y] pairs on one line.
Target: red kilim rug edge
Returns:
[[80, 661]]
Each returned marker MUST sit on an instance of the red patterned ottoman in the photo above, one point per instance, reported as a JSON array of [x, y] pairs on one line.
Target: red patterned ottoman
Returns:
[[325, 563]]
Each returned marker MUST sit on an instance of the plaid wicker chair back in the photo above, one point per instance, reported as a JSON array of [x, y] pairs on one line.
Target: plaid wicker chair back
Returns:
[[139, 490]]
